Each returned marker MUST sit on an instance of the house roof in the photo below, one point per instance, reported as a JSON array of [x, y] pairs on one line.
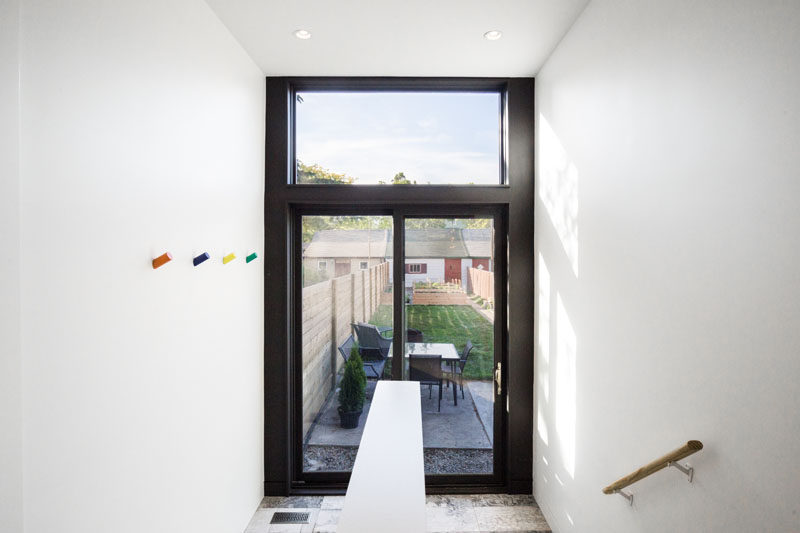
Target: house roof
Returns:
[[347, 243], [478, 242], [420, 243], [432, 242]]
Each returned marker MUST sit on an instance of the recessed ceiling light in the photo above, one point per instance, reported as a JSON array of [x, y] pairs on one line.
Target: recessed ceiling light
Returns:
[[492, 35], [302, 34]]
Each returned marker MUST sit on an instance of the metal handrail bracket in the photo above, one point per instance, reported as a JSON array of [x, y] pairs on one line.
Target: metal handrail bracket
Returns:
[[686, 469], [671, 459], [627, 495]]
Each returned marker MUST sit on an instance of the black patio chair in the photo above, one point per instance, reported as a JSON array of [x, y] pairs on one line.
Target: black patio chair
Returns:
[[382, 329], [414, 335], [427, 369], [371, 342], [373, 369], [458, 369]]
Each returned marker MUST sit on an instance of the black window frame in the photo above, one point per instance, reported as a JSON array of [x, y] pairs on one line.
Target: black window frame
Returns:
[[513, 197]]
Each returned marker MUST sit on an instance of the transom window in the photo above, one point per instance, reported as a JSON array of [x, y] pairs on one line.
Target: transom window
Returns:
[[398, 138]]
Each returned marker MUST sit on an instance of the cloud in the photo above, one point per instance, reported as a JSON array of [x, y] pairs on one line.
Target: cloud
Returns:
[[436, 138], [427, 123], [421, 158]]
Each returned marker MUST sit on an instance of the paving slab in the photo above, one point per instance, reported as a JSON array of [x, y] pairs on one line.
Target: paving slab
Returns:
[[483, 397], [452, 427]]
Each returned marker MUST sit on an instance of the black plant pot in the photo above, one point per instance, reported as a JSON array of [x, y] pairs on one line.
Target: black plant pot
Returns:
[[349, 419]]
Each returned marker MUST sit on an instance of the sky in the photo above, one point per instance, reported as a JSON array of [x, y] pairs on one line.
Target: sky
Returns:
[[433, 137]]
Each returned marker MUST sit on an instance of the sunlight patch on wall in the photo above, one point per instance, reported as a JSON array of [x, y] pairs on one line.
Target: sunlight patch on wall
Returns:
[[544, 327], [543, 345], [565, 393], [558, 190], [541, 426]]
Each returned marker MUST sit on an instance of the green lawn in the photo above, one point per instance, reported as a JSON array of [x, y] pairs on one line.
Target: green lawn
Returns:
[[453, 324]]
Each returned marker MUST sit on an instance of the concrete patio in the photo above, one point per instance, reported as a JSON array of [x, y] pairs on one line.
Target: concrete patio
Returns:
[[466, 425], [455, 435]]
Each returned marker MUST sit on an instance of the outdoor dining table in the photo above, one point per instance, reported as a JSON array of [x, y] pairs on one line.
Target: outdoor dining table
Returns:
[[447, 351]]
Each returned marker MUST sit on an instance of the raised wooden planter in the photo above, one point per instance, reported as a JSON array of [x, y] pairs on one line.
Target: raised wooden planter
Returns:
[[433, 297]]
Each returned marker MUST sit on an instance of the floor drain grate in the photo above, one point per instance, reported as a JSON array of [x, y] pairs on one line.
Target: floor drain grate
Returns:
[[289, 518]]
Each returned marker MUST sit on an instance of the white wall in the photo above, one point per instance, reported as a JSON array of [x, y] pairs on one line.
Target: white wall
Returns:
[[142, 132], [434, 273], [466, 264], [11, 515], [435, 270], [668, 209]]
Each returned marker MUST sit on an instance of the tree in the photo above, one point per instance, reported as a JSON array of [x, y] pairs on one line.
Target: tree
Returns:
[[317, 174], [313, 224], [399, 179], [476, 223], [426, 223], [457, 223]]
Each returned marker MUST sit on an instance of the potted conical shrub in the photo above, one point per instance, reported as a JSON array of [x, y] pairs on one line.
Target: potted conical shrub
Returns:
[[352, 390]]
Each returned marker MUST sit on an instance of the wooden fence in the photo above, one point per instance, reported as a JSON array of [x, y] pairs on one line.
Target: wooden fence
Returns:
[[481, 282], [329, 307]]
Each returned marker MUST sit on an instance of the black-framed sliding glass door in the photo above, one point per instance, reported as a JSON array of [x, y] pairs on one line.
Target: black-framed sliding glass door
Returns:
[[450, 283]]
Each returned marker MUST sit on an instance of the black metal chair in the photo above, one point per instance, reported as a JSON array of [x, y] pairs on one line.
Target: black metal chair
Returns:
[[427, 369], [371, 342], [373, 369], [458, 370], [414, 335]]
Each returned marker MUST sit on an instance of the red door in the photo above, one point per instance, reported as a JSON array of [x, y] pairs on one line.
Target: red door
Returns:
[[481, 262], [452, 270]]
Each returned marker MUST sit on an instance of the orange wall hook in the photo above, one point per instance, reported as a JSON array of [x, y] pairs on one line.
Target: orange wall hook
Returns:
[[162, 260]]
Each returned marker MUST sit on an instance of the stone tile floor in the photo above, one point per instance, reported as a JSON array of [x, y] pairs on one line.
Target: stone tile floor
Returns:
[[445, 513]]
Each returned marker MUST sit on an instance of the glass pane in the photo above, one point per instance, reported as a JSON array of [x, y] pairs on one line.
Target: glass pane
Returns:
[[345, 277], [363, 138], [449, 314]]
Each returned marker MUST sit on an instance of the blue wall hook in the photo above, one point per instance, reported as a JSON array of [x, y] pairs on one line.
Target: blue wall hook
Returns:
[[200, 258]]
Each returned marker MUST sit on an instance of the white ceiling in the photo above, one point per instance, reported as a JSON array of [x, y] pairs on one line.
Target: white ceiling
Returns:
[[400, 38]]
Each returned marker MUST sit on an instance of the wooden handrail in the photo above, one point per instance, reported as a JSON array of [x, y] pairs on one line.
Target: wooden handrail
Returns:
[[686, 450]]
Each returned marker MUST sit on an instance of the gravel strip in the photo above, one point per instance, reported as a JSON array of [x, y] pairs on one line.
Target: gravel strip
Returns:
[[437, 460]]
